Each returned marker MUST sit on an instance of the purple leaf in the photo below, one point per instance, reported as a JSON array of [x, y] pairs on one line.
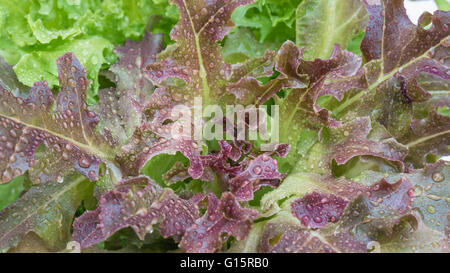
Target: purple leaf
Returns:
[[120, 108], [153, 138], [224, 218], [261, 171], [287, 238], [351, 140], [138, 203], [316, 209], [428, 136], [378, 211], [196, 58], [67, 131]]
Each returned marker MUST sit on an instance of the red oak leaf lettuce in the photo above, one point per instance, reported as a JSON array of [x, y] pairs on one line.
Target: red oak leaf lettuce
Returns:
[[120, 108], [398, 54], [360, 139], [140, 203], [287, 238], [62, 125], [224, 216], [316, 209]]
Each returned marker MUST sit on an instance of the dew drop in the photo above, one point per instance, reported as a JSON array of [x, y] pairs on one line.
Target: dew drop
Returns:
[[431, 209], [91, 114], [59, 179], [69, 147], [12, 158], [317, 219], [6, 176], [84, 162], [257, 170], [13, 133], [9, 145], [305, 219], [433, 197], [438, 177], [418, 190]]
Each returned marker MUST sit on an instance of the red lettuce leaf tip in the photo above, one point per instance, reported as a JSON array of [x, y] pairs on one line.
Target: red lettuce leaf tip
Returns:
[[316, 209], [223, 218], [67, 130]]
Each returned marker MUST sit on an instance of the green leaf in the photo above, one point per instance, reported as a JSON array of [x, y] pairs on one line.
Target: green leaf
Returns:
[[47, 210], [242, 45], [443, 4], [323, 23], [445, 111], [41, 65], [34, 33], [272, 20], [10, 192], [161, 164]]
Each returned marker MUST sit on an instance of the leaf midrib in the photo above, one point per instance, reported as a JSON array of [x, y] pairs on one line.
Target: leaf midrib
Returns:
[[87, 148], [382, 79], [202, 73], [44, 205]]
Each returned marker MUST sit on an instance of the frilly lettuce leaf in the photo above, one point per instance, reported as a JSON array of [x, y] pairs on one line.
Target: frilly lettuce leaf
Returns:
[[431, 189], [242, 45], [140, 203], [305, 122], [121, 107], [365, 133], [63, 127], [224, 216], [33, 34], [321, 23], [392, 90], [195, 59], [380, 216], [41, 64], [47, 210], [383, 91], [272, 20]]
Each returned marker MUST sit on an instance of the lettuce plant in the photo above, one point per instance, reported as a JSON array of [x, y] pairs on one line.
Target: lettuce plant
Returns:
[[357, 167], [33, 34]]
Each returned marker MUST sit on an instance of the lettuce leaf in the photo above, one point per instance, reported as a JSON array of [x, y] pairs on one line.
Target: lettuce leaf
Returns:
[[47, 137], [361, 136], [33, 34], [272, 20], [46, 210], [321, 23]]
